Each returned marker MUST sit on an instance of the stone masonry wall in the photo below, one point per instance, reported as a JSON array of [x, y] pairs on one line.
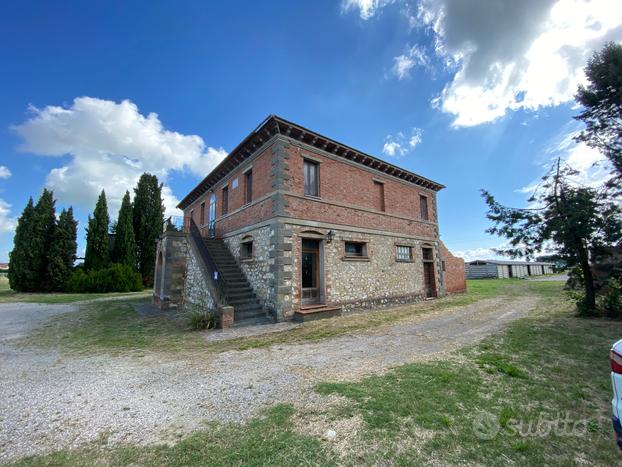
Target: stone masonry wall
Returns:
[[378, 280], [196, 290], [257, 269]]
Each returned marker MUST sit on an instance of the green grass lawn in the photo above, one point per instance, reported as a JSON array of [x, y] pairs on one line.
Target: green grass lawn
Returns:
[[114, 326], [536, 393], [7, 295]]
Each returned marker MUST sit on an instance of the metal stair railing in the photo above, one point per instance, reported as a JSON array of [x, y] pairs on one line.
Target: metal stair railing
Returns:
[[216, 278]]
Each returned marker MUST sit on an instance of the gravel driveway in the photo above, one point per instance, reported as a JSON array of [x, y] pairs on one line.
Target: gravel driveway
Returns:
[[50, 401]]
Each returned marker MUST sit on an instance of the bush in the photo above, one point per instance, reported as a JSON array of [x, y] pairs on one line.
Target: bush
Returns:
[[583, 309], [114, 278], [199, 318], [611, 302]]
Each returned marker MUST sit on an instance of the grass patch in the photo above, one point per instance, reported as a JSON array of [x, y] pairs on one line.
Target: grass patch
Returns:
[[503, 401], [112, 326], [266, 440], [367, 320]]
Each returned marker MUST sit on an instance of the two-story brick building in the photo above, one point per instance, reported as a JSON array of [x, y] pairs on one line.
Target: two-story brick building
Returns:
[[295, 224]]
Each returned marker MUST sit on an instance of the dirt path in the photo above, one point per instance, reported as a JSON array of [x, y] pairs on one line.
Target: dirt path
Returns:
[[49, 401]]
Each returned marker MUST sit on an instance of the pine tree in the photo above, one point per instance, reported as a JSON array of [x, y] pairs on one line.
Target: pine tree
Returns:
[[124, 251], [97, 254], [62, 253], [22, 276], [44, 226], [148, 220], [602, 102]]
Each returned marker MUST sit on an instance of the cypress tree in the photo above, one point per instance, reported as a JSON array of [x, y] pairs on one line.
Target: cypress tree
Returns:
[[22, 277], [62, 253], [44, 226], [97, 254], [124, 251], [148, 220]]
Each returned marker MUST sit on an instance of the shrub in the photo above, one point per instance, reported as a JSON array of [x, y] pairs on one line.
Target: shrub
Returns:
[[114, 278], [199, 318], [583, 309], [611, 302]]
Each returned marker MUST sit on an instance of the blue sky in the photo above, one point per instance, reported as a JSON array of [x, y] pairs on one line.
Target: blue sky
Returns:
[[93, 94]]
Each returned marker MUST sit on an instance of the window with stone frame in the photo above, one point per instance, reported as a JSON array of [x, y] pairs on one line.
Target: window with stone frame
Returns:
[[403, 253], [355, 249], [311, 171], [246, 249]]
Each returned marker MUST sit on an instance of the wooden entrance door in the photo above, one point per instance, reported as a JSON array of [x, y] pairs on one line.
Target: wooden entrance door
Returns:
[[429, 277], [310, 280]]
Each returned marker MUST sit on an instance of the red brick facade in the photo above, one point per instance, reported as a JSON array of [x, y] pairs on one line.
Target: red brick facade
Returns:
[[360, 199]]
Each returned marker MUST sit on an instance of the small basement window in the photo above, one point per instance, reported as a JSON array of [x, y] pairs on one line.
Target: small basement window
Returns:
[[246, 250], [356, 249], [403, 253]]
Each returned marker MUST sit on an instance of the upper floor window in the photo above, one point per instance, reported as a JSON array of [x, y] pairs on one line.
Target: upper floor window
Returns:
[[248, 186], [379, 195], [225, 200], [202, 215], [403, 253], [423, 204], [311, 175]]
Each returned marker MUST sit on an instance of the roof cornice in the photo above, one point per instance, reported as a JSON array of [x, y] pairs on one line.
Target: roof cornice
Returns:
[[274, 125]]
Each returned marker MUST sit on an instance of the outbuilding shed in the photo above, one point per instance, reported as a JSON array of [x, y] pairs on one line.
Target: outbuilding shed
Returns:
[[497, 269]]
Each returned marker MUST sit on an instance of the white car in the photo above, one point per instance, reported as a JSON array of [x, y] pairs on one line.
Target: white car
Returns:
[[615, 358]]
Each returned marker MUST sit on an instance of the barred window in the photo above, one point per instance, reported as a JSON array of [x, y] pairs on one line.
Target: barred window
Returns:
[[403, 253]]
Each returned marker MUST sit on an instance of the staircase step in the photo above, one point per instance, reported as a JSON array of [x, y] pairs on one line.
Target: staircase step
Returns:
[[247, 306], [252, 322], [316, 312]]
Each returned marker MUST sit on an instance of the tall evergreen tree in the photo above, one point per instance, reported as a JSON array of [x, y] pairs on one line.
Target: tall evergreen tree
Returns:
[[580, 223], [44, 226], [22, 276], [97, 254], [124, 251], [148, 220], [602, 102], [62, 253]]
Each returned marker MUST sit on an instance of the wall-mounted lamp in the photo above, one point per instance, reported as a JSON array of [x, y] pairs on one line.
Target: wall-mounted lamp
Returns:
[[329, 236]]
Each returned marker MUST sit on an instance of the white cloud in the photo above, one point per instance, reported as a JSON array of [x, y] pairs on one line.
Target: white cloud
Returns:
[[479, 253], [414, 56], [400, 144], [4, 172], [366, 8], [111, 145], [593, 168], [7, 223], [512, 55]]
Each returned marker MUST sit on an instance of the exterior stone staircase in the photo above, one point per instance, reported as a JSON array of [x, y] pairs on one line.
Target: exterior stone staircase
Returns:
[[238, 292]]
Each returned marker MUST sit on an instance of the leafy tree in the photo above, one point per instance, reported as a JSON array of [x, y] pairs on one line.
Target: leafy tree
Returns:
[[579, 221], [602, 100], [124, 251], [62, 253], [148, 220], [44, 226], [97, 254], [22, 276]]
